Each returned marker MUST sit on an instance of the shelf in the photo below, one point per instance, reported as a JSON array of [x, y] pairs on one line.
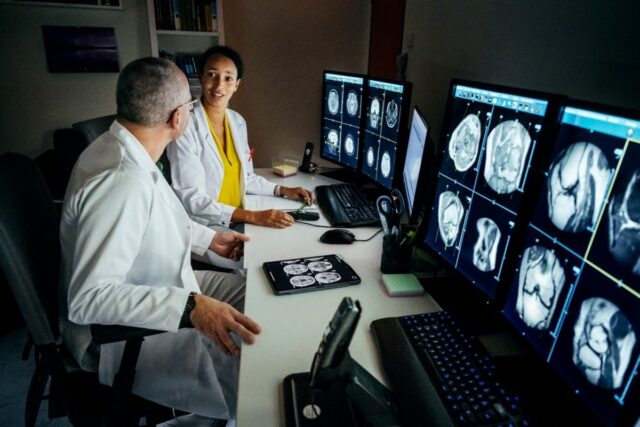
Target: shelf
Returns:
[[188, 33], [63, 4]]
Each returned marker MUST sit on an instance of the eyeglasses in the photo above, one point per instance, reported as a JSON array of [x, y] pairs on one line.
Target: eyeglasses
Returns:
[[189, 103]]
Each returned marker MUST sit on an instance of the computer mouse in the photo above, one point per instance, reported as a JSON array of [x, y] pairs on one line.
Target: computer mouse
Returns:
[[338, 236]]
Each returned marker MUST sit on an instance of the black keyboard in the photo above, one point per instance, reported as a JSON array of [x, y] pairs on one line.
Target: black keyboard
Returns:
[[344, 205], [440, 375]]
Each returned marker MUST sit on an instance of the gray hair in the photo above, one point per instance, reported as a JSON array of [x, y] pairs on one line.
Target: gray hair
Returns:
[[148, 90]]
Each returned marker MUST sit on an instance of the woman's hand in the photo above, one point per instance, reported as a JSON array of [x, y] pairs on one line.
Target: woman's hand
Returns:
[[298, 193], [271, 218]]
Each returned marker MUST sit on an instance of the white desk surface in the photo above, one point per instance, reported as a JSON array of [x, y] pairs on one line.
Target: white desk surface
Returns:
[[292, 325]]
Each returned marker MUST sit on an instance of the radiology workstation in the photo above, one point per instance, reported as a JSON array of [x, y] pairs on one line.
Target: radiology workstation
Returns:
[[525, 223]]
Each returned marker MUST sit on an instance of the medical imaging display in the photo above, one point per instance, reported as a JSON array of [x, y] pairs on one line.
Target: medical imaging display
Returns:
[[341, 117], [488, 144], [575, 296], [385, 105], [413, 160], [301, 274]]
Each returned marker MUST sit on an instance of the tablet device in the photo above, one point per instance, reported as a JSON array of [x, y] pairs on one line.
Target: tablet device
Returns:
[[309, 274]]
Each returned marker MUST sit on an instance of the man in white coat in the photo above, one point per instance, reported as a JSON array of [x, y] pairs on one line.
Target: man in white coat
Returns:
[[126, 244]]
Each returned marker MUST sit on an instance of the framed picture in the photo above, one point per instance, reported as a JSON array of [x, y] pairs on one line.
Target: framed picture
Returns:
[[81, 49]]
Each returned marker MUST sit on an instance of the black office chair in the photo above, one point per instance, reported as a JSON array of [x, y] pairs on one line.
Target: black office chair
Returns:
[[93, 128], [30, 259]]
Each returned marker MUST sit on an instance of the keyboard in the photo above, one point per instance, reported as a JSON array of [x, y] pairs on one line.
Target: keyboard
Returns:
[[442, 376], [344, 205]]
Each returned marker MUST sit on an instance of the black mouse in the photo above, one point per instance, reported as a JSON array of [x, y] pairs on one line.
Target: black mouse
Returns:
[[338, 235]]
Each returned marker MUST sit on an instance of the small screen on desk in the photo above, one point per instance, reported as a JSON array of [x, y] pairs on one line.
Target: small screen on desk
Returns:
[[576, 292], [341, 117], [383, 128], [414, 159], [490, 136]]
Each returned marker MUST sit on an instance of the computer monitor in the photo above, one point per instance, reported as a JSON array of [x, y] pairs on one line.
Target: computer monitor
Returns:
[[341, 117], [576, 292], [414, 161], [490, 137], [384, 128]]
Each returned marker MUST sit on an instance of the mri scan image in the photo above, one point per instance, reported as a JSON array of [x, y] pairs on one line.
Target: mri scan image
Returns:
[[349, 145], [371, 156], [624, 225], [327, 277], [352, 103], [385, 164], [486, 248], [507, 148], [333, 101], [295, 269], [374, 113], [540, 281], [391, 114], [576, 186], [602, 343], [465, 142], [332, 138], [450, 213], [318, 266], [302, 281]]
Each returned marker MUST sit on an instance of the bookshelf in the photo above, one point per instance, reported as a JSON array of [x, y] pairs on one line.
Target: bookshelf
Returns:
[[182, 29]]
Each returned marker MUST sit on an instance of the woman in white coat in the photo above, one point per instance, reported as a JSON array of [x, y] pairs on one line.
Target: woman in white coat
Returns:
[[211, 163]]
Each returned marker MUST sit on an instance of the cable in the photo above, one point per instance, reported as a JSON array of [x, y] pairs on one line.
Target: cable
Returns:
[[366, 240]]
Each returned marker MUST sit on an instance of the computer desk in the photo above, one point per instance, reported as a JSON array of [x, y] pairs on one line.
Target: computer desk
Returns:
[[292, 325]]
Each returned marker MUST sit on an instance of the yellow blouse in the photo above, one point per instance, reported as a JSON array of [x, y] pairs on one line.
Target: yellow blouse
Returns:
[[230, 191]]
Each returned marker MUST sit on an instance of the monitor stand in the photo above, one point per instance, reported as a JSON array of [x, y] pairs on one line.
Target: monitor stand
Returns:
[[347, 395], [345, 175]]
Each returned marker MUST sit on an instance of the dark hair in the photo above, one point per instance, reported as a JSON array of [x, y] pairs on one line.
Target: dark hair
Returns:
[[223, 51]]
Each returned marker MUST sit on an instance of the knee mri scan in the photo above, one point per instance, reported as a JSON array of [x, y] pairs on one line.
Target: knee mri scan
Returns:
[[540, 282], [465, 143], [450, 213], [576, 186], [602, 343], [485, 249], [624, 225], [506, 157]]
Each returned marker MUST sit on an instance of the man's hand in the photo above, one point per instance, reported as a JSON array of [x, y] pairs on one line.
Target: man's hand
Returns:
[[298, 193], [216, 319], [229, 244]]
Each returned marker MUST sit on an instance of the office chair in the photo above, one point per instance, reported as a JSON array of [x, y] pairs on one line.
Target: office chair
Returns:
[[30, 259], [93, 128]]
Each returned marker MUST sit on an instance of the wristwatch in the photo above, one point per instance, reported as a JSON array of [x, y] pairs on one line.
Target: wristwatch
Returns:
[[185, 320]]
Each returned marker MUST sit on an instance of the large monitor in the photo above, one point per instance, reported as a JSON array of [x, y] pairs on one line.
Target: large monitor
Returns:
[[414, 161], [490, 138], [576, 293], [341, 117], [384, 128]]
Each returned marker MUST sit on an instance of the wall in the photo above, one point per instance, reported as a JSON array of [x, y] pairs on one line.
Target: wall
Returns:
[[584, 49], [35, 102], [286, 45]]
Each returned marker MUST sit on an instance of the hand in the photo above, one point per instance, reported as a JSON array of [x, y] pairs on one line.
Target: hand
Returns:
[[229, 244], [271, 218], [298, 193], [216, 319]]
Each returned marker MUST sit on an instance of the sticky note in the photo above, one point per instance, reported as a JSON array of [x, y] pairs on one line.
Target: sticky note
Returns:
[[402, 285]]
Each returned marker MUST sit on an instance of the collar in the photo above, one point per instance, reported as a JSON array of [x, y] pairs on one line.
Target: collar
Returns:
[[132, 146]]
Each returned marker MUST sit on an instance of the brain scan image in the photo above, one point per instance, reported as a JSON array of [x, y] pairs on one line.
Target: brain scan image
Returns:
[[507, 148], [374, 112], [391, 114], [318, 266], [371, 156], [602, 343], [464, 143], [624, 225], [333, 101], [385, 164], [540, 281], [486, 248], [328, 277], [302, 281], [450, 213], [332, 138], [294, 269], [349, 145], [352, 103], [576, 186]]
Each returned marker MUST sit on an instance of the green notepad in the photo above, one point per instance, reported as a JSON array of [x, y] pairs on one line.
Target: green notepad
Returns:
[[402, 285]]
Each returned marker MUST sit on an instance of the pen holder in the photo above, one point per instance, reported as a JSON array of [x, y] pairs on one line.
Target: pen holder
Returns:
[[396, 257]]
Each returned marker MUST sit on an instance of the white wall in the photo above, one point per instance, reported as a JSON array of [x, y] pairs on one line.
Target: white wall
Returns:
[[36, 102], [586, 49]]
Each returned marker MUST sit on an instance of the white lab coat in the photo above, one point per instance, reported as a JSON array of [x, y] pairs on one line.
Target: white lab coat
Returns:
[[126, 244], [197, 170]]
